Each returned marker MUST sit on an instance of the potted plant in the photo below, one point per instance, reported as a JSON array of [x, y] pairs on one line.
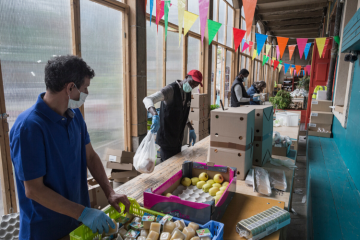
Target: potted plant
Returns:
[[304, 83], [282, 100]]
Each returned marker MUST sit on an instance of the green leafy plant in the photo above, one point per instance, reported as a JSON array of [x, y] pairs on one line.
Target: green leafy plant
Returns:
[[282, 100], [214, 106], [304, 83]]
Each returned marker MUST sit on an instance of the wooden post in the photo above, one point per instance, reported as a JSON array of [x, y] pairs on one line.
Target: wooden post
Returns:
[[6, 170], [222, 86], [215, 70], [164, 59], [206, 57]]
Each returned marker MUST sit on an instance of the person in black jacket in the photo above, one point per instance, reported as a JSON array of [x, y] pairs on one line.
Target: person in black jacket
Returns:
[[239, 95]]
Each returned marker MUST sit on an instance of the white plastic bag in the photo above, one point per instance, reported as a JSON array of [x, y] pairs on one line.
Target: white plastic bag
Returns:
[[287, 163], [261, 181], [145, 156], [278, 179]]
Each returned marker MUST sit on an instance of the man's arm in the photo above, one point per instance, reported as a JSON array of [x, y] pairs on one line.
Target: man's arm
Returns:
[[37, 191], [98, 172], [239, 96]]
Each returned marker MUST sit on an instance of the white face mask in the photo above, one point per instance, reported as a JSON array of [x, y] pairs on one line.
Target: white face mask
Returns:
[[73, 104], [245, 79]]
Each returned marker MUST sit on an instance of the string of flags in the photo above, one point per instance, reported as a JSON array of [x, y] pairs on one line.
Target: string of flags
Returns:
[[186, 20]]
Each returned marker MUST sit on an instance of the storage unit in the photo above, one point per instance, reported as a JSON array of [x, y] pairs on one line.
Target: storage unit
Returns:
[[321, 117], [319, 130], [97, 196], [121, 163], [232, 138], [321, 105]]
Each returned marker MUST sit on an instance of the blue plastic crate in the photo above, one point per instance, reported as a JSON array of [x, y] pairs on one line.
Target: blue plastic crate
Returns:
[[216, 228]]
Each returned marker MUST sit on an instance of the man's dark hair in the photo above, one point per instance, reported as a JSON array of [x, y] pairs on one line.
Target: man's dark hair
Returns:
[[65, 69], [243, 72]]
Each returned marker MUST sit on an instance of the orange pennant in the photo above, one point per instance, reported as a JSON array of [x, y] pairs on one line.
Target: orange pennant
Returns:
[[291, 71], [282, 42], [291, 50], [298, 68], [249, 10]]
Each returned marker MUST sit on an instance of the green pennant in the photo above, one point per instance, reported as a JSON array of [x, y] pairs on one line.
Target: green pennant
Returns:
[[166, 8], [213, 28], [280, 61], [265, 59], [337, 39]]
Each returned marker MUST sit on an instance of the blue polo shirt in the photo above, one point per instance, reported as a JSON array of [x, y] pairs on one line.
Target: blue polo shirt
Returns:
[[45, 144]]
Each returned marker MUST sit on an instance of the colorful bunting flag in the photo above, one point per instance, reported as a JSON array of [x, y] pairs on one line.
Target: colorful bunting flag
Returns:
[[282, 42], [291, 71], [267, 49], [306, 50], [320, 42], [158, 12], [166, 9], [277, 52], [280, 66], [250, 45], [181, 11], [291, 50], [254, 54], [260, 41], [242, 43], [304, 73], [213, 28], [151, 8], [301, 42], [337, 39], [189, 20], [249, 10], [265, 59], [308, 69], [298, 68], [286, 67], [245, 47], [238, 37], [276, 64], [327, 46], [203, 11]]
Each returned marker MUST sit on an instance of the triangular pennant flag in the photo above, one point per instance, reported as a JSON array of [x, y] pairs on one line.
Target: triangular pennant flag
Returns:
[[327, 46], [203, 11], [268, 47], [181, 10], [260, 40], [291, 71], [158, 12], [301, 42], [250, 45], [291, 50], [280, 61], [213, 28], [277, 52], [189, 19], [286, 67], [249, 10], [320, 42], [254, 54], [245, 47], [276, 64], [306, 50], [151, 8], [265, 59], [308, 69], [280, 66], [238, 37], [298, 68], [166, 9], [304, 73], [337, 39], [242, 43], [282, 42]]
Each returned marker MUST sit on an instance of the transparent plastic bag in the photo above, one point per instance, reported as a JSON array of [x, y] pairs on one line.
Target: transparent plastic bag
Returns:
[[287, 163], [261, 181], [145, 156], [249, 178], [278, 179]]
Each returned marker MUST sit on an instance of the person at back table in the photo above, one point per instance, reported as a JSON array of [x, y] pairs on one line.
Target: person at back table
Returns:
[[256, 88], [239, 95]]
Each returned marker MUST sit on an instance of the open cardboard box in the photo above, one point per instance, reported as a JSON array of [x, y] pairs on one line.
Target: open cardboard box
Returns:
[[280, 151], [97, 196], [119, 156], [156, 200], [313, 130]]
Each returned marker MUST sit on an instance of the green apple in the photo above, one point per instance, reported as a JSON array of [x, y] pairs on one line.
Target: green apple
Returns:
[[218, 178], [194, 181], [223, 188], [206, 187], [219, 193], [168, 194], [210, 181], [200, 184], [203, 176], [186, 182], [217, 198], [213, 191], [225, 184], [218, 185]]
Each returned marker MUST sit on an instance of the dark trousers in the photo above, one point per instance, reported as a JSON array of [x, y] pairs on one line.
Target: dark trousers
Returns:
[[168, 153]]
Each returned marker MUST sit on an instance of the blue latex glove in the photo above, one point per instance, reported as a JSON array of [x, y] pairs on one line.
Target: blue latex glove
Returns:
[[256, 99], [155, 124], [96, 220], [192, 137]]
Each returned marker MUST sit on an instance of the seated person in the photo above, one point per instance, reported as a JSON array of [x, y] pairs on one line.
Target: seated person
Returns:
[[256, 88]]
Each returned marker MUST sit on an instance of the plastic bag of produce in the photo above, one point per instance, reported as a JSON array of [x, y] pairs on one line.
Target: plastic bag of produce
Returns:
[[145, 156]]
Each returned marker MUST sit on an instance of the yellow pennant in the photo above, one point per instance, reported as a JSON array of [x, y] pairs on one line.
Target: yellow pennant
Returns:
[[273, 59], [320, 42], [189, 19], [268, 47], [280, 66], [181, 10], [254, 54]]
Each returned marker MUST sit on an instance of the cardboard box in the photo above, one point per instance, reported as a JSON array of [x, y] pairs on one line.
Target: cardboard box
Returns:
[[201, 213], [119, 166], [119, 156], [319, 134], [116, 174], [198, 100], [97, 196], [196, 114], [339, 108], [263, 119], [321, 95], [321, 117], [316, 126], [280, 151], [321, 105], [297, 103], [262, 151]]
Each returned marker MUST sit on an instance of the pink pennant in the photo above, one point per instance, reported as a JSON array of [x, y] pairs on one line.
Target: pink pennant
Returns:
[[277, 52], [162, 9], [203, 11], [245, 47], [301, 42], [308, 69], [250, 45]]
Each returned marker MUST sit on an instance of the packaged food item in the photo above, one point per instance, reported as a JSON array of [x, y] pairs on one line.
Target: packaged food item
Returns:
[[165, 219], [144, 232], [204, 233], [158, 218], [136, 219], [165, 236], [137, 226], [153, 235], [129, 216], [180, 224], [122, 219], [189, 232], [194, 226], [195, 238], [127, 225], [141, 238], [205, 238], [112, 230], [155, 227], [122, 231], [177, 234], [132, 234], [147, 219], [169, 227]]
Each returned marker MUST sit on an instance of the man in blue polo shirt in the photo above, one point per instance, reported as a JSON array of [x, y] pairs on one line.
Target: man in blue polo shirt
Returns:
[[51, 151]]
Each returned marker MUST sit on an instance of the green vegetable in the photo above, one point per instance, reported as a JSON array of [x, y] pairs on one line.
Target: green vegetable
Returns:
[[215, 106], [282, 100]]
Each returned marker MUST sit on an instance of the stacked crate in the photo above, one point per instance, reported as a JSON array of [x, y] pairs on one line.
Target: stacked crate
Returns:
[[232, 138], [121, 163], [321, 118], [199, 115]]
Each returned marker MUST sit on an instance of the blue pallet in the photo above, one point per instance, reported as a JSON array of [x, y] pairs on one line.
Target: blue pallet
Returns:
[[216, 228]]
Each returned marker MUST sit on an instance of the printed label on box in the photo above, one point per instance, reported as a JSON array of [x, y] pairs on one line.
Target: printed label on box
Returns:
[[136, 225], [203, 232], [132, 234], [165, 219], [112, 158], [158, 218], [314, 114], [122, 220], [271, 229], [312, 124], [148, 217], [315, 102]]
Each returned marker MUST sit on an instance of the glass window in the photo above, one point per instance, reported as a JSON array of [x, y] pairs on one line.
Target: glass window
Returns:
[[174, 57], [222, 20], [227, 76], [173, 12], [230, 24], [212, 72], [193, 54], [215, 8], [258, 28], [193, 6], [101, 41], [219, 74], [154, 50], [242, 12]]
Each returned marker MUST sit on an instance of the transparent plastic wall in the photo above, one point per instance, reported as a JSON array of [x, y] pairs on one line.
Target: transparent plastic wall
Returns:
[[174, 56], [101, 41]]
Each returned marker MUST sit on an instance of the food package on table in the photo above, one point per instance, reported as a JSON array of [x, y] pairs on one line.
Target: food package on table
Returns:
[[278, 179], [261, 181]]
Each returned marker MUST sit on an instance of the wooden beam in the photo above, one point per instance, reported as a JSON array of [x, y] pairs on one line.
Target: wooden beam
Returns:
[[6, 169], [113, 4], [300, 8], [275, 1], [294, 31], [207, 57], [300, 35], [293, 27], [294, 22], [236, 3], [268, 18]]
